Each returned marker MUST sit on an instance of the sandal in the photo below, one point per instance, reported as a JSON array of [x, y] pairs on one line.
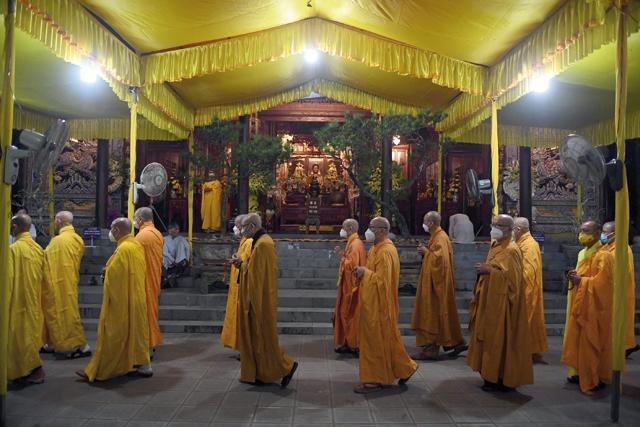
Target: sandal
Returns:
[[78, 353], [367, 388], [82, 374], [403, 381]]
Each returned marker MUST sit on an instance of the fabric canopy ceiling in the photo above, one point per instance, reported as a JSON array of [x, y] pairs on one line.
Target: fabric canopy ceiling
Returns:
[[227, 58]]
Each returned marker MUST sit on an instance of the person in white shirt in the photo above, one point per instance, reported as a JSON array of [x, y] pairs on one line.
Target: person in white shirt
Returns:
[[32, 230], [461, 229], [175, 254]]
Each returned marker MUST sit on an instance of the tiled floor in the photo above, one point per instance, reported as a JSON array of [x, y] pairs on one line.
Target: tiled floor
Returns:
[[195, 383]]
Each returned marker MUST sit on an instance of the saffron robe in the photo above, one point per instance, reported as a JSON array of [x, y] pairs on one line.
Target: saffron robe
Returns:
[[62, 259], [435, 314], [153, 244], [345, 328], [499, 346], [26, 261], [229, 335], [587, 343], [210, 209], [383, 358], [630, 336], [261, 357], [583, 255], [532, 282], [123, 328]]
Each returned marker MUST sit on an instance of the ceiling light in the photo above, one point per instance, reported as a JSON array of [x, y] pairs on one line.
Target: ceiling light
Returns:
[[396, 140], [540, 83], [311, 56], [87, 75]]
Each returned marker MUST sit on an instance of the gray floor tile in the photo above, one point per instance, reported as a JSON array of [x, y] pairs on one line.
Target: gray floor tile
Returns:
[[312, 416], [242, 415], [391, 415], [469, 415], [117, 411], [202, 413], [352, 415], [277, 415], [156, 413]]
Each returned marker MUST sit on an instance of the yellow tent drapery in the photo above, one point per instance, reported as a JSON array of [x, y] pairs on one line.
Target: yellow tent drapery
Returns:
[[133, 139], [495, 159]]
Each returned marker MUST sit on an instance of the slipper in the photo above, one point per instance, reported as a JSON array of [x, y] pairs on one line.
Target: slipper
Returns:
[[423, 356], [78, 353], [573, 380], [628, 352], [287, 378], [45, 349], [457, 350], [403, 381], [342, 349], [367, 388], [82, 375]]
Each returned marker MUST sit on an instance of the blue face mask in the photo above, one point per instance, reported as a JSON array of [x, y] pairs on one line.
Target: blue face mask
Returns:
[[604, 238]]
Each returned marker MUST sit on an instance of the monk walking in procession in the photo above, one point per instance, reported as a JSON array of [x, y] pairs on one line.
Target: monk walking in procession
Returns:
[[347, 312], [383, 358], [500, 346], [63, 326], [435, 314]]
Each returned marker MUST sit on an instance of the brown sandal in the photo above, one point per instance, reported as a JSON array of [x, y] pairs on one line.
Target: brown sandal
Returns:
[[367, 388]]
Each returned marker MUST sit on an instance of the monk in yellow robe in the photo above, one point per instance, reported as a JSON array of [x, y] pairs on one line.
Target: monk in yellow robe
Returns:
[[500, 346], [587, 339], [347, 312], [435, 314], [122, 344], [152, 242], [62, 258], [532, 282], [229, 335], [210, 209], [608, 239], [262, 360], [383, 358], [26, 261]]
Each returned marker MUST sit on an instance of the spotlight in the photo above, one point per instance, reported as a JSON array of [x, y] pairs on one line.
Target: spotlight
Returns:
[[540, 83], [311, 56], [396, 140], [87, 75]]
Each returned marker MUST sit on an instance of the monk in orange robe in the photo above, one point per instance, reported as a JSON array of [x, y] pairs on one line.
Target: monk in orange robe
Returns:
[[229, 335], [532, 282], [383, 358], [153, 243], [262, 360], [587, 342], [345, 325], [435, 314], [608, 239], [500, 347]]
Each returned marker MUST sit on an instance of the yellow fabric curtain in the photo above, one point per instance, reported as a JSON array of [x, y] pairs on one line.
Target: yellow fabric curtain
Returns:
[[515, 136], [326, 36], [495, 158], [604, 133], [133, 140], [25, 119], [51, 202], [331, 89], [621, 267], [190, 185], [165, 100], [440, 167], [6, 121]]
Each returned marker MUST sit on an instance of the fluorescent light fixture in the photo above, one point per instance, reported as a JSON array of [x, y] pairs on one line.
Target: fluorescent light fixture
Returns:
[[311, 56], [87, 75], [540, 83]]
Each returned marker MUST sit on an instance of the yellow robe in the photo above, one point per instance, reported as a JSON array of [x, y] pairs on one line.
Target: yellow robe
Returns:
[[345, 328], [26, 261], [499, 346], [383, 358], [630, 337], [210, 208], [123, 328], [261, 357], [532, 281], [62, 259], [229, 335], [583, 255], [587, 342], [435, 314], [153, 243]]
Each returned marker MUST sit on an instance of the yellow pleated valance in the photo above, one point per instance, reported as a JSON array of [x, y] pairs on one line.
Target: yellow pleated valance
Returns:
[[516, 136], [329, 37], [603, 133], [333, 90], [165, 100]]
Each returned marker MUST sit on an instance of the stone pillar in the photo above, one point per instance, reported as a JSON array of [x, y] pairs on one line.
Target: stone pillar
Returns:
[[243, 171], [385, 176], [525, 184], [102, 177]]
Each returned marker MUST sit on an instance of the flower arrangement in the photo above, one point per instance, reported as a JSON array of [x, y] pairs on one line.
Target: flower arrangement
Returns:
[[176, 185]]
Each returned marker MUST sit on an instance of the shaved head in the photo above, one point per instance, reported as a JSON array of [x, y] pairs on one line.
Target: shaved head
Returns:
[[380, 222], [505, 224], [122, 225], [239, 219], [21, 223], [433, 217], [609, 227], [590, 227], [65, 217], [252, 218], [145, 214], [521, 222], [350, 225]]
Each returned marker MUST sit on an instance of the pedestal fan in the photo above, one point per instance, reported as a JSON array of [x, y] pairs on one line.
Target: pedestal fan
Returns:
[[153, 182]]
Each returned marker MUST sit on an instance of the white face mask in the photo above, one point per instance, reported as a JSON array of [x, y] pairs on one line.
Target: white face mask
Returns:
[[113, 239], [236, 231], [343, 233], [369, 235], [426, 227], [496, 233], [136, 224]]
